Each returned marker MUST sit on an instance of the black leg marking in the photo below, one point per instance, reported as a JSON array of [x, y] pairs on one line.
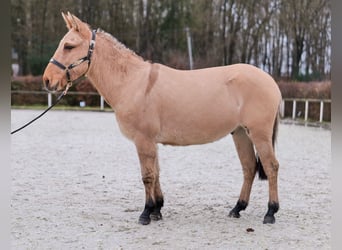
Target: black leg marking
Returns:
[[151, 211], [156, 214], [240, 205], [269, 218], [144, 218]]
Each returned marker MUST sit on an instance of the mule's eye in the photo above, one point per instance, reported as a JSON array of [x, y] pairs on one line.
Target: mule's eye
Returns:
[[68, 47]]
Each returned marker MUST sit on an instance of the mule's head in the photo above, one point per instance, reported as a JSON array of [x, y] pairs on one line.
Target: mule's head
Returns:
[[73, 47]]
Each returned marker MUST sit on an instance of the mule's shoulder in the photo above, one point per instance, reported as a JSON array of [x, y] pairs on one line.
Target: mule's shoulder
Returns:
[[152, 77]]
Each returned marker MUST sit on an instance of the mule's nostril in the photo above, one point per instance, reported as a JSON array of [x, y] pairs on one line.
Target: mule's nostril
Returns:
[[47, 83]]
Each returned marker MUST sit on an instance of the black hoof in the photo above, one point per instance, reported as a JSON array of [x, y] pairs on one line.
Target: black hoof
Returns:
[[156, 216], [234, 214], [143, 220], [269, 219], [240, 205]]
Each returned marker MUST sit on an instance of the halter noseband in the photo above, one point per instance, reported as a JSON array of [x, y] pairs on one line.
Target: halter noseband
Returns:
[[78, 62]]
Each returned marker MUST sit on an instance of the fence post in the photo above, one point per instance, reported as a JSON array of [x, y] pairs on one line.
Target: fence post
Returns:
[[188, 38], [282, 108], [102, 103], [294, 110], [306, 110], [49, 99], [321, 111]]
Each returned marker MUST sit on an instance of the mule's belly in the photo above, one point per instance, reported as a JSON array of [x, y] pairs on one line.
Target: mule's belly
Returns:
[[178, 137], [196, 128]]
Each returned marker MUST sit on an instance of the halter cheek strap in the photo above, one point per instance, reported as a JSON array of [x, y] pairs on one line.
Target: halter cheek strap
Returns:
[[78, 62]]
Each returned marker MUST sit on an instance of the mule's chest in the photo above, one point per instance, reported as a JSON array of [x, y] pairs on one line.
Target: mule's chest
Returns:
[[140, 120], [127, 125]]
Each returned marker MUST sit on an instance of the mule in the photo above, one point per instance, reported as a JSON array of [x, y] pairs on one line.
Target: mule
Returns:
[[155, 104]]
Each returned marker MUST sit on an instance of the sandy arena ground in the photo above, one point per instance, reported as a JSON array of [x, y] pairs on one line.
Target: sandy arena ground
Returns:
[[76, 185]]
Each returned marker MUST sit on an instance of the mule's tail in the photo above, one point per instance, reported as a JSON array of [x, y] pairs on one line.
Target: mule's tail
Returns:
[[259, 166]]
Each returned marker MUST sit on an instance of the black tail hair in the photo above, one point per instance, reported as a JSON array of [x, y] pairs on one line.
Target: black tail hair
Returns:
[[259, 166], [260, 169]]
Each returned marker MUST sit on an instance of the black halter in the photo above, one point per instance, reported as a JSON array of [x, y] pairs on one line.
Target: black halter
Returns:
[[78, 62]]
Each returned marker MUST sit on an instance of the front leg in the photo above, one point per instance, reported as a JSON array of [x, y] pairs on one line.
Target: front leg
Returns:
[[148, 156]]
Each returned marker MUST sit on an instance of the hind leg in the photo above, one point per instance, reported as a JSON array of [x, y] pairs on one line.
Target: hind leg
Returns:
[[263, 144], [246, 154]]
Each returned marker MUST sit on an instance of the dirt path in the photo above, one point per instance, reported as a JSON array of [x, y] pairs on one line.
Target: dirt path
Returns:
[[76, 185]]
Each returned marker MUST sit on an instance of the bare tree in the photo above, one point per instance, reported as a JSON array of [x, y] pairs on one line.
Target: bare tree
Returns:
[[287, 38]]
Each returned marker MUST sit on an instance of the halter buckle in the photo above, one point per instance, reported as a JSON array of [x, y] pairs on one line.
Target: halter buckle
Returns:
[[69, 84]]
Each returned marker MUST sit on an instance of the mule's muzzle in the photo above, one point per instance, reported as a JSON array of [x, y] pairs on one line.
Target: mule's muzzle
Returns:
[[49, 86], [46, 83]]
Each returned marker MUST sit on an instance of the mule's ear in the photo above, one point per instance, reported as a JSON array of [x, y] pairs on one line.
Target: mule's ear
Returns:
[[67, 21], [77, 24], [72, 22]]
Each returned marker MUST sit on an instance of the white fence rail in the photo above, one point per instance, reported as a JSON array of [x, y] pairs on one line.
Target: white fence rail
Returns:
[[306, 107], [294, 101], [49, 95]]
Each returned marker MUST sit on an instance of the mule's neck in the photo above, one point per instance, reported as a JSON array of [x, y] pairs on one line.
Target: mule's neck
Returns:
[[114, 68]]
